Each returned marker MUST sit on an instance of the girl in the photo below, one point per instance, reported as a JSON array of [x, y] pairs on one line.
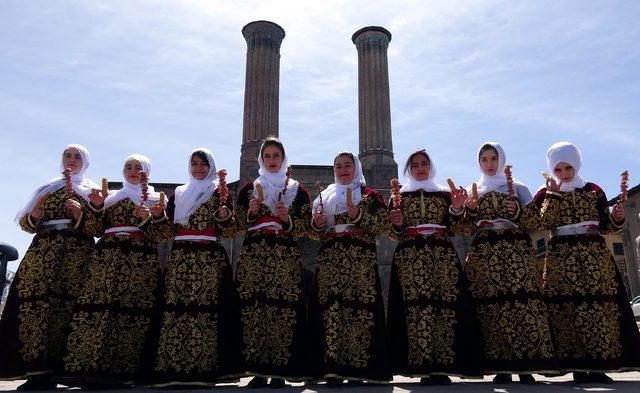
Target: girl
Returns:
[[48, 281], [593, 327], [348, 310], [432, 331], [503, 275], [112, 321], [272, 211], [195, 345]]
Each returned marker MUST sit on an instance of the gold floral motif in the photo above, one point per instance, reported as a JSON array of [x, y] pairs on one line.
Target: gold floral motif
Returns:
[[267, 333], [188, 343], [431, 335], [428, 272], [269, 269], [504, 267], [516, 330], [106, 342], [436, 208], [348, 335], [194, 277], [582, 268], [586, 330], [347, 271], [32, 329]]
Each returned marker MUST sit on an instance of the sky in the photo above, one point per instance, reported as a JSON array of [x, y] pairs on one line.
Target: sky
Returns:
[[163, 77]]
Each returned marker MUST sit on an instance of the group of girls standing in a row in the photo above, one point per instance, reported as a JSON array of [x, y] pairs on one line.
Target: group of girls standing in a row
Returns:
[[105, 314]]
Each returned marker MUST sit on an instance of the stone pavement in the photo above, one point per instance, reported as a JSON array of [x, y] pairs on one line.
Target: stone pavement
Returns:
[[625, 383]]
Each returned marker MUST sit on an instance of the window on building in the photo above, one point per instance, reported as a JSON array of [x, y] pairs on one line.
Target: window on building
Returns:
[[618, 249]]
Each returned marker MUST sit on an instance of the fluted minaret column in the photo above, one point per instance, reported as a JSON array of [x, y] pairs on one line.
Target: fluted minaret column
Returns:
[[261, 92], [374, 108]]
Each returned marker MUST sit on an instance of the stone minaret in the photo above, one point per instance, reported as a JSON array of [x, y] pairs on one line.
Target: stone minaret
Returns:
[[261, 92], [374, 108]]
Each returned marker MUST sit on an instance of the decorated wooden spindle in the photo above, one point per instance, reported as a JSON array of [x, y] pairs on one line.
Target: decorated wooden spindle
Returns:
[[105, 187], [144, 187], [509, 176], [286, 184], [223, 190], [452, 185], [349, 200], [260, 192], [319, 188], [68, 187], [395, 193], [624, 186], [474, 191], [161, 201]]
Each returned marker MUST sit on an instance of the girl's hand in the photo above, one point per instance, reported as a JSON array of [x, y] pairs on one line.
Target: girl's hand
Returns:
[[512, 208], [318, 221], [552, 185], [353, 211], [458, 198], [396, 218], [36, 214], [223, 212], [471, 203], [254, 205], [618, 212], [142, 212], [74, 208], [96, 198], [157, 211], [283, 212]]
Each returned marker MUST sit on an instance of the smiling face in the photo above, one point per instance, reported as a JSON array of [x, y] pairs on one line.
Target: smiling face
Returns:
[[489, 162], [420, 167], [199, 167], [72, 159], [272, 158], [564, 172], [132, 170], [344, 168]]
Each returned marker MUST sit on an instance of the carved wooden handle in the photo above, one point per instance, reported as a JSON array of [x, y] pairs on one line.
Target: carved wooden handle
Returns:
[[348, 197], [452, 185]]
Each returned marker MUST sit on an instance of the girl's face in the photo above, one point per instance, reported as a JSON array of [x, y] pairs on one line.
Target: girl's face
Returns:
[[489, 162], [344, 169], [420, 167], [132, 170], [199, 168], [564, 172], [272, 157], [72, 159]]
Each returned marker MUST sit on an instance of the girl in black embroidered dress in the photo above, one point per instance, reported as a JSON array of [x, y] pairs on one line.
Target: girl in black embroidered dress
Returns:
[[504, 278], [48, 281], [112, 321], [272, 212], [431, 328], [593, 327], [347, 310], [196, 345]]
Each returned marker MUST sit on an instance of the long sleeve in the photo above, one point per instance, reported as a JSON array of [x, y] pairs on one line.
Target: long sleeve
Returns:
[[300, 214], [374, 217]]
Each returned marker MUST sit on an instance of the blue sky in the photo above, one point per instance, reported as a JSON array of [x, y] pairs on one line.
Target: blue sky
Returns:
[[163, 77]]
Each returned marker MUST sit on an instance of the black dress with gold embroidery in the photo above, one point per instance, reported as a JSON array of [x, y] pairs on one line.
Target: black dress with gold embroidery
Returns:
[[44, 291], [196, 342], [430, 320], [505, 283], [346, 307], [592, 322], [269, 282], [111, 326]]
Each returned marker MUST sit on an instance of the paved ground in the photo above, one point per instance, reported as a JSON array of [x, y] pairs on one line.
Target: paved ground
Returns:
[[625, 383]]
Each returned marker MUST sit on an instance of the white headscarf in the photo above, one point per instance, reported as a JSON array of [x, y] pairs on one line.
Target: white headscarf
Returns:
[[429, 185], [190, 196], [81, 185], [569, 153], [273, 183], [133, 191], [498, 182], [334, 197]]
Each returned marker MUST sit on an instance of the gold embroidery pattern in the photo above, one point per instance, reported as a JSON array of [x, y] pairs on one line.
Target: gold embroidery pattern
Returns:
[[431, 335], [348, 335], [111, 264], [269, 269], [504, 267], [582, 268], [347, 271], [428, 272], [586, 330], [188, 343], [490, 210], [267, 333], [194, 277], [31, 332], [106, 342], [515, 330], [435, 208]]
